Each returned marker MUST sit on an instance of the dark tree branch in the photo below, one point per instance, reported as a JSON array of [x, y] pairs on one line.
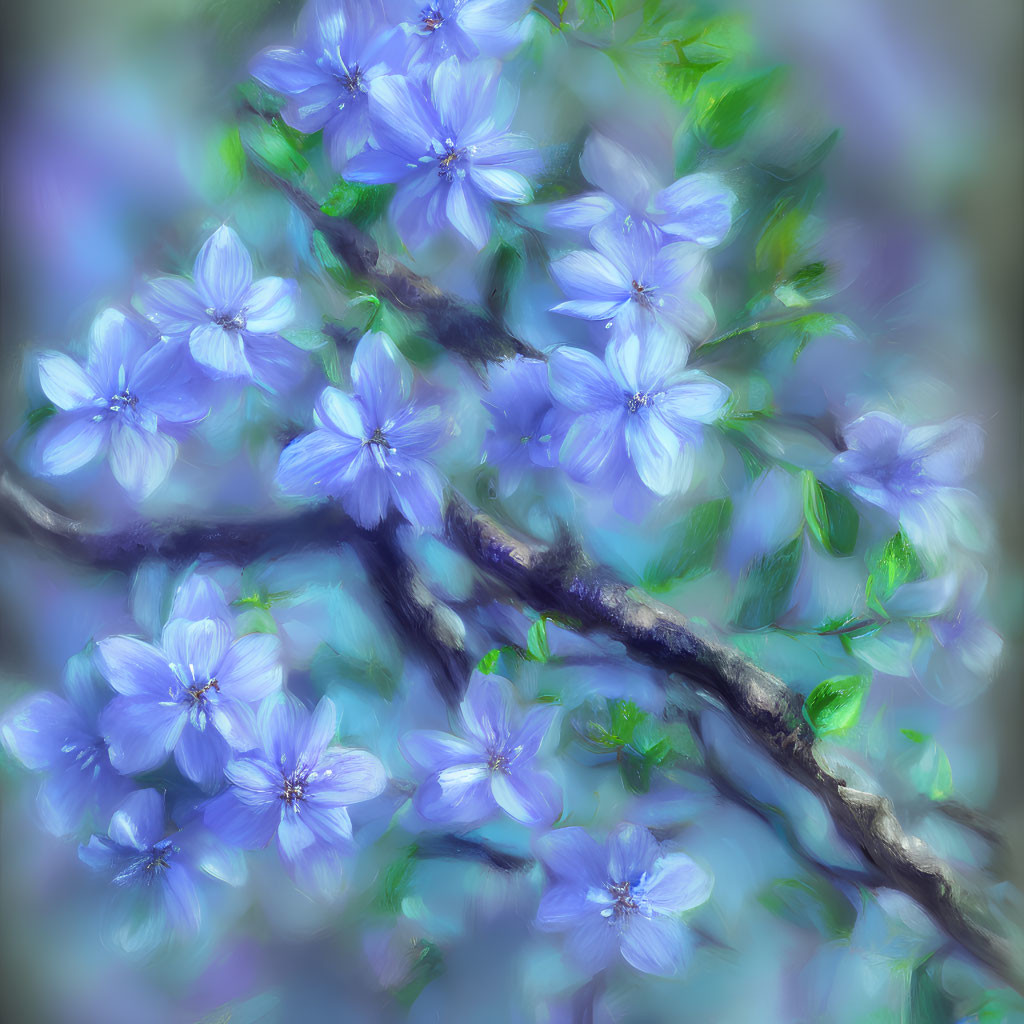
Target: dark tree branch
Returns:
[[448, 845], [427, 625], [562, 579], [472, 333]]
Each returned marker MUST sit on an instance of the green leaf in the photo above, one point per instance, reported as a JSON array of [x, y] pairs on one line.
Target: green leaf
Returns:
[[504, 270], [896, 564], [831, 517], [768, 585], [914, 736], [927, 766], [537, 641], [275, 145], [834, 705], [927, 1003], [690, 550], [427, 964], [488, 662], [37, 417], [360, 204], [723, 118], [811, 904], [395, 883]]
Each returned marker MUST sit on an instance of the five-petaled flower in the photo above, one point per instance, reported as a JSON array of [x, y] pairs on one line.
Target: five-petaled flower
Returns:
[[448, 148], [633, 279], [624, 897], [229, 321], [297, 787], [370, 448], [466, 28], [490, 765], [640, 413], [154, 870], [525, 421], [696, 208], [913, 472], [62, 738], [194, 695], [343, 49], [132, 392]]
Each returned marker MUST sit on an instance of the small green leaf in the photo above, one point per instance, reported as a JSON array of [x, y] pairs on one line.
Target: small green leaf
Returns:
[[831, 517], [834, 705], [360, 204], [537, 641], [275, 145], [768, 585], [810, 904], [37, 417], [724, 118], [914, 736], [488, 662], [395, 882], [690, 550], [895, 565]]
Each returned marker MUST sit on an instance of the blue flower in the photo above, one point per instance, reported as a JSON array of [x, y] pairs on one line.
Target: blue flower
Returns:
[[624, 897], [696, 208], [489, 765], [343, 50], [154, 872], [194, 695], [525, 420], [62, 738], [229, 321], [132, 391], [912, 473], [632, 278], [295, 786], [369, 448], [448, 148], [466, 28], [640, 413]]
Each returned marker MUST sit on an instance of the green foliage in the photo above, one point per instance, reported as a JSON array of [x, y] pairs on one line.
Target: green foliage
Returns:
[[692, 49], [363, 205], [690, 549], [724, 114], [926, 1001], [537, 641], [927, 766], [810, 903], [897, 563], [487, 664], [834, 705], [769, 582], [830, 516], [38, 416], [395, 883], [504, 270], [276, 145]]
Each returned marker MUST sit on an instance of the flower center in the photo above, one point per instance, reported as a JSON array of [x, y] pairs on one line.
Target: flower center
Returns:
[[123, 400], [352, 79], [431, 19], [446, 161], [642, 293], [625, 899], [294, 789], [498, 763], [197, 693], [229, 321], [638, 401]]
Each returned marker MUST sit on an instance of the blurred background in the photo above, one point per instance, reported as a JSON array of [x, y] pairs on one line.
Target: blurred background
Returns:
[[112, 108]]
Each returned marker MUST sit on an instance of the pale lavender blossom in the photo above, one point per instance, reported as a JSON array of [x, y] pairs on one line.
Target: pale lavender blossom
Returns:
[[153, 870], [621, 898], [132, 394], [696, 208], [448, 147], [297, 787], [639, 415], [370, 448], [62, 738], [342, 46], [525, 430], [229, 321], [462, 28], [634, 280], [194, 695], [489, 766], [913, 472]]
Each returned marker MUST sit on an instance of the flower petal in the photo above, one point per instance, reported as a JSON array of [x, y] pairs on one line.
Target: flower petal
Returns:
[[139, 460], [348, 777], [65, 383], [581, 382], [174, 305], [139, 822], [527, 796], [287, 70], [431, 750], [269, 305], [487, 709], [201, 755], [140, 732], [572, 855], [403, 122], [468, 213], [460, 793], [632, 850], [654, 945], [677, 883], [311, 464], [697, 208], [67, 443], [135, 668], [220, 350], [223, 271], [251, 667], [563, 906], [589, 275], [240, 823]]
